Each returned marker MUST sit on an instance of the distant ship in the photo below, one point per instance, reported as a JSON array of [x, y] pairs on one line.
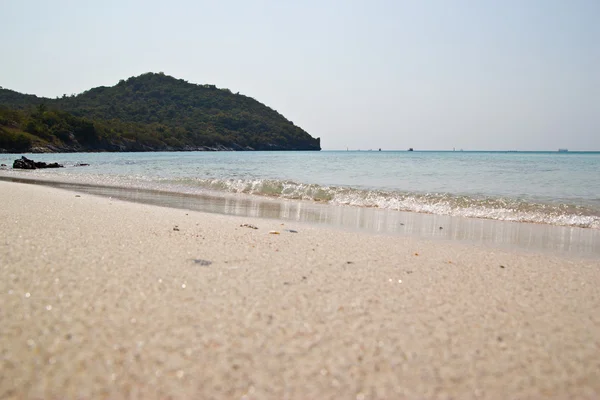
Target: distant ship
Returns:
[[410, 149], [563, 150]]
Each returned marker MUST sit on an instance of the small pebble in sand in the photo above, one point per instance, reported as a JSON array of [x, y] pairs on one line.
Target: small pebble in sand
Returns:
[[200, 261], [291, 230], [176, 228], [274, 232], [248, 226], [441, 228], [502, 266]]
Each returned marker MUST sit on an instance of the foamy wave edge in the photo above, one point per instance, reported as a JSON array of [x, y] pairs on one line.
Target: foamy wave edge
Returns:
[[502, 209]]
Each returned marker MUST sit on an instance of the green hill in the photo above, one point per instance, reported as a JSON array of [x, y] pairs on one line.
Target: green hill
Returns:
[[151, 112]]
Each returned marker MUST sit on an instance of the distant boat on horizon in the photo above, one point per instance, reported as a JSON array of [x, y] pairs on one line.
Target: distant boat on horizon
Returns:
[[563, 150], [410, 149]]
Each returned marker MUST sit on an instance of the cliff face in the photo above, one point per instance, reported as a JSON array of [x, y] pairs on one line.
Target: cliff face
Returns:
[[152, 112]]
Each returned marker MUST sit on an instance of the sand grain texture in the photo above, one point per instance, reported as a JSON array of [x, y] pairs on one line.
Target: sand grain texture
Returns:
[[105, 299]]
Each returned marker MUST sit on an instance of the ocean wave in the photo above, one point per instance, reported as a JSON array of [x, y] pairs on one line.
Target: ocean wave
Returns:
[[486, 207], [497, 208]]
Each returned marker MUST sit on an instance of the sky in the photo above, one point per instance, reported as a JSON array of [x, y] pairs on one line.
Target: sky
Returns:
[[427, 74]]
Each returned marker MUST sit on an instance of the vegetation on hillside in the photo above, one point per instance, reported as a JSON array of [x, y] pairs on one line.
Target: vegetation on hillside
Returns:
[[44, 130], [149, 112]]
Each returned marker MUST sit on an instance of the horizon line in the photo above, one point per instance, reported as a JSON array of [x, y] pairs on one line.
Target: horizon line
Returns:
[[467, 151]]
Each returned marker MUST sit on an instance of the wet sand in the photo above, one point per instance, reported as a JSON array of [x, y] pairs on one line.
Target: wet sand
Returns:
[[101, 298], [573, 242]]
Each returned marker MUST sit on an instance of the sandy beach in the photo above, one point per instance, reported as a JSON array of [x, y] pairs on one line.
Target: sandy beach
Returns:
[[101, 298]]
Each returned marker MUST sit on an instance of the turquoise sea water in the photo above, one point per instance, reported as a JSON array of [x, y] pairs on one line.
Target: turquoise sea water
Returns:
[[543, 187]]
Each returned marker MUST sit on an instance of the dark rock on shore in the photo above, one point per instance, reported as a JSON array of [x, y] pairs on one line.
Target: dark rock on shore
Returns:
[[26, 163]]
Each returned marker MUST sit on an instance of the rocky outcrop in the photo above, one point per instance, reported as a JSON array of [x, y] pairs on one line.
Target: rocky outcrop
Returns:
[[26, 163]]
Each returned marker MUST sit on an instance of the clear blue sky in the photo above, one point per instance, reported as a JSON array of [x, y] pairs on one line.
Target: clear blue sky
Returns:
[[431, 74]]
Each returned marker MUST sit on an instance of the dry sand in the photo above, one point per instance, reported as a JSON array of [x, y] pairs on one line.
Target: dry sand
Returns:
[[102, 298]]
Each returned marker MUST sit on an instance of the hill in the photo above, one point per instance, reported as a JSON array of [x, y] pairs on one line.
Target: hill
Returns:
[[151, 112]]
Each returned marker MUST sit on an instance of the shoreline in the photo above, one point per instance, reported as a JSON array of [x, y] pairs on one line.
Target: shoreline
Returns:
[[565, 241], [410, 184], [103, 298]]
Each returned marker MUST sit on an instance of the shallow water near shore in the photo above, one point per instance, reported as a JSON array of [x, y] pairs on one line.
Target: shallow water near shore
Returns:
[[545, 201], [540, 187], [530, 237]]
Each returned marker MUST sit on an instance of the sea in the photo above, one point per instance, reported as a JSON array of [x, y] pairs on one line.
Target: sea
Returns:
[[380, 191]]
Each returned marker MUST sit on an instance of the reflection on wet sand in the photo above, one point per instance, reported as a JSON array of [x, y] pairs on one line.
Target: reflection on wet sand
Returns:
[[579, 242]]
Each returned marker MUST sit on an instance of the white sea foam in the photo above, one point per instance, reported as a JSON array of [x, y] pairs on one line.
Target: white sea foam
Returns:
[[437, 203]]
